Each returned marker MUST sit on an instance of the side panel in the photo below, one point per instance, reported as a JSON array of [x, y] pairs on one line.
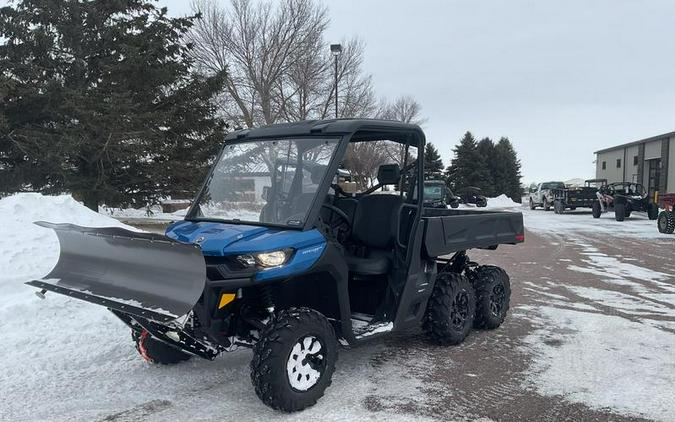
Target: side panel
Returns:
[[464, 230]]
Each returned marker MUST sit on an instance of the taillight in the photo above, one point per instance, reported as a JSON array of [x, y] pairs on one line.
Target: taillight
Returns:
[[520, 237]]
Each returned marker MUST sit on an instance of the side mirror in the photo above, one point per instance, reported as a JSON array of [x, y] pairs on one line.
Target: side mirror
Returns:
[[265, 193]]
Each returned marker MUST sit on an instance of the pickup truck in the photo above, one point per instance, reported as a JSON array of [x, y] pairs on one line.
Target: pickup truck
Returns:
[[543, 195]]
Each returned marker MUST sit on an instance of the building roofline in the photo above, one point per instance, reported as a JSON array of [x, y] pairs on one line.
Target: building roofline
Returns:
[[630, 144]]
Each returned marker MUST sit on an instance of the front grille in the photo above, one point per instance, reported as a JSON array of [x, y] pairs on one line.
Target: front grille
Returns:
[[224, 267]]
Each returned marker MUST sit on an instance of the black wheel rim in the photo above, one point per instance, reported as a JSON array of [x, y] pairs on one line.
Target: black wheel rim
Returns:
[[497, 299], [460, 310]]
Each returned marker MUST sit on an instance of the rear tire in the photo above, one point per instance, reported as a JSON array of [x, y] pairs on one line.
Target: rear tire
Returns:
[[597, 209], [156, 351], [666, 222], [652, 211], [620, 212], [481, 202], [294, 360], [451, 310], [493, 294]]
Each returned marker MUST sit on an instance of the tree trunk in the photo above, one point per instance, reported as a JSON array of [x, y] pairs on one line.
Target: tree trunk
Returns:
[[90, 200]]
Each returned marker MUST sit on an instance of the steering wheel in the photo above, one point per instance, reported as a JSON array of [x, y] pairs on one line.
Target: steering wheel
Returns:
[[344, 218]]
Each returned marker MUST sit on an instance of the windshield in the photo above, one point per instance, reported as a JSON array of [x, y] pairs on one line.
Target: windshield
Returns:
[[433, 192], [553, 185], [270, 181]]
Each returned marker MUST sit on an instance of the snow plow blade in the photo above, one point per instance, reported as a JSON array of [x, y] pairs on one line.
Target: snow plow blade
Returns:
[[143, 274]]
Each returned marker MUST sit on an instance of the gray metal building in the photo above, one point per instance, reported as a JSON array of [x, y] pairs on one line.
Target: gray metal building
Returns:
[[645, 161]]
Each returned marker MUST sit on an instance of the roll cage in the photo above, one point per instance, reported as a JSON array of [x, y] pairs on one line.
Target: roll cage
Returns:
[[346, 131]]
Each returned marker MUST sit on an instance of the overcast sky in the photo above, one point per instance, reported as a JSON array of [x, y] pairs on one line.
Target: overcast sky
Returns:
[[560, 79]]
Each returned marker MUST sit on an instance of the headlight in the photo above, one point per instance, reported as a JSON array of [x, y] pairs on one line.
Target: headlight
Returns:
[[272, 259], [265, 259]]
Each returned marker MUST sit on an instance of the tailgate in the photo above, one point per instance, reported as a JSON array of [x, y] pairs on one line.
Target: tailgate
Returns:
[[459, 230]]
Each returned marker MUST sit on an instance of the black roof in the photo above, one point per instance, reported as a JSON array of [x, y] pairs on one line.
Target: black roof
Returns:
[[638, 142], [366, 129]]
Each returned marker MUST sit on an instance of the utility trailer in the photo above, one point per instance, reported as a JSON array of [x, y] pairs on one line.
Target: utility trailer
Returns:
[[310, 267], [573, 197], [666, 219]]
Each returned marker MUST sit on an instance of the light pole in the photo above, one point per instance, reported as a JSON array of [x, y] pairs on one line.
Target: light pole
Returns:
[[336, 49]]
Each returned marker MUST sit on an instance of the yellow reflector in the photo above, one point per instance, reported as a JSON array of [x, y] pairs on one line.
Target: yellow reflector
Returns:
[[226, 298]]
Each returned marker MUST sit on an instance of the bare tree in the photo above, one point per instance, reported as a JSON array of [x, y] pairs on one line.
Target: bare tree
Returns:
[[362, 159], [277, 62], [403, 109]]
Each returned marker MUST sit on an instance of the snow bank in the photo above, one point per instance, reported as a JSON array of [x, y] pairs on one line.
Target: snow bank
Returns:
[[502, 201], [29, 251]]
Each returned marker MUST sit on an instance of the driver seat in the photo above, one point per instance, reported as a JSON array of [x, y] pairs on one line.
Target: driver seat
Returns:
[[375, 225]]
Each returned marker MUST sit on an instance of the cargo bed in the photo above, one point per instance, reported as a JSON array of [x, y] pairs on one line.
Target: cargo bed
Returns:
[[451, 230]]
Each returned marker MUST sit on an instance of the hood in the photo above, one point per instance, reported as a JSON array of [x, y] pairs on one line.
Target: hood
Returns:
[[218, 239]]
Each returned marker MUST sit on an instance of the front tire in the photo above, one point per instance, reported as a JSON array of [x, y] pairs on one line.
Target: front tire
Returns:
[[558, 207], [451, 310], [294, 360], [156, 351], [493, 295], [666, 222], [532, 206], [597, 209], [547, 205]]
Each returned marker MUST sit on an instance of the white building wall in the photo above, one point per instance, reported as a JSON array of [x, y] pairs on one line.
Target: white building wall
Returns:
[[611, 172], [631, 166], [670, 183]]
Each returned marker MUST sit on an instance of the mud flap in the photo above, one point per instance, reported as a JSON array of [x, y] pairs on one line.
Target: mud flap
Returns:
[[142, 274]]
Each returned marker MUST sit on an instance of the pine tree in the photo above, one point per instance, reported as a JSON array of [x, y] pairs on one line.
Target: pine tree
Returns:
[[507, 170], [468, 167], [433, 165], [486, 149], [99, 100]]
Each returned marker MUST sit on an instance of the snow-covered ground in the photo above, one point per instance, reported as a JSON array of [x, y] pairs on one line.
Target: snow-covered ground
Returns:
[[608, 345], [611, 346]]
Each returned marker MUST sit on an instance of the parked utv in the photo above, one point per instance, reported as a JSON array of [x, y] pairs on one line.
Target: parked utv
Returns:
[[624, 198], [438, 195], [543, 196], [471, 195], [273, 255], [666, 219], [573, 197]]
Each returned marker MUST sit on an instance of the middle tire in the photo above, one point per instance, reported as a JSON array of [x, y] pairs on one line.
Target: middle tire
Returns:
[[294, 360], [451, 309]]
